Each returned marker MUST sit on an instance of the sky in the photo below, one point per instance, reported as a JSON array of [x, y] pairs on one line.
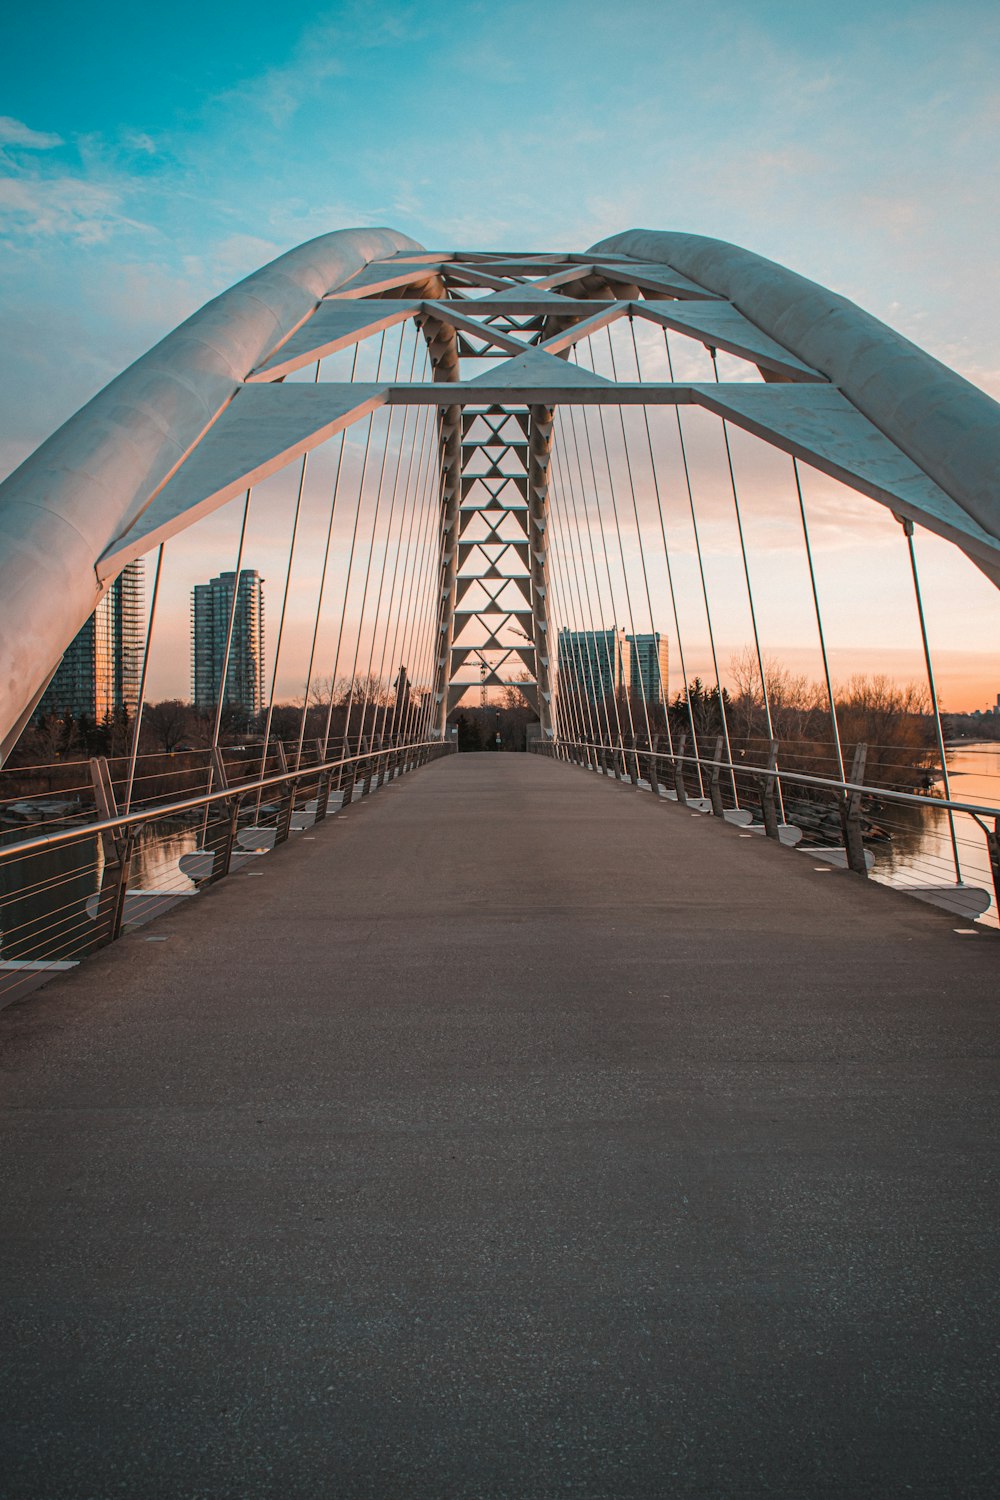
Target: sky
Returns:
[[150, 156]]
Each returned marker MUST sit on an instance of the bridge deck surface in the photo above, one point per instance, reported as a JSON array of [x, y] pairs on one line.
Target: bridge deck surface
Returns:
[[514, 1136]]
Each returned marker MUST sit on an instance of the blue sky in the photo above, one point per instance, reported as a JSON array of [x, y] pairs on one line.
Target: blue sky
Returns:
[[149, 156]]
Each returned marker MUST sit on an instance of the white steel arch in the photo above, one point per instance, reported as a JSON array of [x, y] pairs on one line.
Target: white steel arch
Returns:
[[205, 414]]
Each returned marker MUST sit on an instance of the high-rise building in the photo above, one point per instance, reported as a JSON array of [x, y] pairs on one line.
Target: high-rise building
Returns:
[[602, 663], [211, 607], [592, 662], [648, 667], [102, 666]]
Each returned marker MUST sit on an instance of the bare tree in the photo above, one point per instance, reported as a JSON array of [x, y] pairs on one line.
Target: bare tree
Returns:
[[167, 723]]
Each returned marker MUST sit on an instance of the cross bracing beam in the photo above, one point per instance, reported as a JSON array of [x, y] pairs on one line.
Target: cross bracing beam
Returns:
[[208, 413]]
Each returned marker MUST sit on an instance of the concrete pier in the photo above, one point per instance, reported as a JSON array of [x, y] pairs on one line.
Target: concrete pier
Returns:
[[508, 1135]]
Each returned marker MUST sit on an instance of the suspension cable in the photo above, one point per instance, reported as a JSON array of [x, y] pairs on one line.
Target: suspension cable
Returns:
[[704, 583], [590, 636], [670, 574], [746, 574], [621, 552], [819, 623], [610, 638], [350, 564], [134, 750], [416, 452], [370, 555], [607, 565], [642, 554], [229, 631], [369, 681], [284, 609], [323, 575], [907, 525]]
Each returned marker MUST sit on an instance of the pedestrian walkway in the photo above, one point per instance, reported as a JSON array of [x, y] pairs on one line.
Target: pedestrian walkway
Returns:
[[509, 1135]]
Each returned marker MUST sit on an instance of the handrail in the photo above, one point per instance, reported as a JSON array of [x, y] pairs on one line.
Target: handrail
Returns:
[[204, 799], [826, 782]]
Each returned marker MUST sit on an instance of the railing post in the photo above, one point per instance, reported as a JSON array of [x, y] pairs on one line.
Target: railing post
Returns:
[[654, 772], [322, 786], [117, 845], [679, 786], [767, 806], [286, 799], [850, 815], [636, 773], [715, 784], [348, 776], [993, 850], [364, 769], [220, 822]]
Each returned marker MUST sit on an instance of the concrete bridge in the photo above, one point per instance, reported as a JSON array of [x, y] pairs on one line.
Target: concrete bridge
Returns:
[[508, 1135]]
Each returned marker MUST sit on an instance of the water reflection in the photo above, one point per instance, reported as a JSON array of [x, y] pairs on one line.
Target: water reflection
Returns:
[[920, 851], [47, 899]]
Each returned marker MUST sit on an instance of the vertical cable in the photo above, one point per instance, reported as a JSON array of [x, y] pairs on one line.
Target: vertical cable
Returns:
[[284, 608], [564, 560], [417, 450], [907, 525], [368, 564], [704, 584], [642, 554], [350, 563], [746, 574], [607, 567], [670, 576], [229, 632], [633, 641], [616, 646], [142, 682], [612, 635], [590, 637], [819, 623], [369, 680], [412, 641], [322, 579]]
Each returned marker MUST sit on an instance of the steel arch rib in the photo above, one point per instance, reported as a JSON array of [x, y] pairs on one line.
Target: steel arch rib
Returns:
[[85, 485], [945, 424], [132, 467]]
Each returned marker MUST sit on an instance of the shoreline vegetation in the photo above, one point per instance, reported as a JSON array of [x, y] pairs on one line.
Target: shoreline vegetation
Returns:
[[893, 719]]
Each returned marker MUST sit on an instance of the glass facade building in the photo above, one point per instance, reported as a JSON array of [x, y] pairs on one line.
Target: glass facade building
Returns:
[[592, 662], [648, 667], [601, 664], [101, 668], [211, 607]]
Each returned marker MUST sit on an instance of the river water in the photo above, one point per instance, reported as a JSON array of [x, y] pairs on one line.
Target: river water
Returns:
[[921, 852]]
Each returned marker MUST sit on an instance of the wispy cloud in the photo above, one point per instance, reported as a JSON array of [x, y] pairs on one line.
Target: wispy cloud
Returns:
[[16, 133], [61, 207]]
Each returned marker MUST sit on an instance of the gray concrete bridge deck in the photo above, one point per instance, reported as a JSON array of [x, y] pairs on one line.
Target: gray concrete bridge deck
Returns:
[[514, 1136]]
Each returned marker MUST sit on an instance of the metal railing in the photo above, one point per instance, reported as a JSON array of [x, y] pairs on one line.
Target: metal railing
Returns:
[[756, 793], [65, 887]]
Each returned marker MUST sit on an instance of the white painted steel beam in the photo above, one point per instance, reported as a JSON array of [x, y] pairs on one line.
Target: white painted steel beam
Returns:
[[204, 414], [946, 425], [84, 487]]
